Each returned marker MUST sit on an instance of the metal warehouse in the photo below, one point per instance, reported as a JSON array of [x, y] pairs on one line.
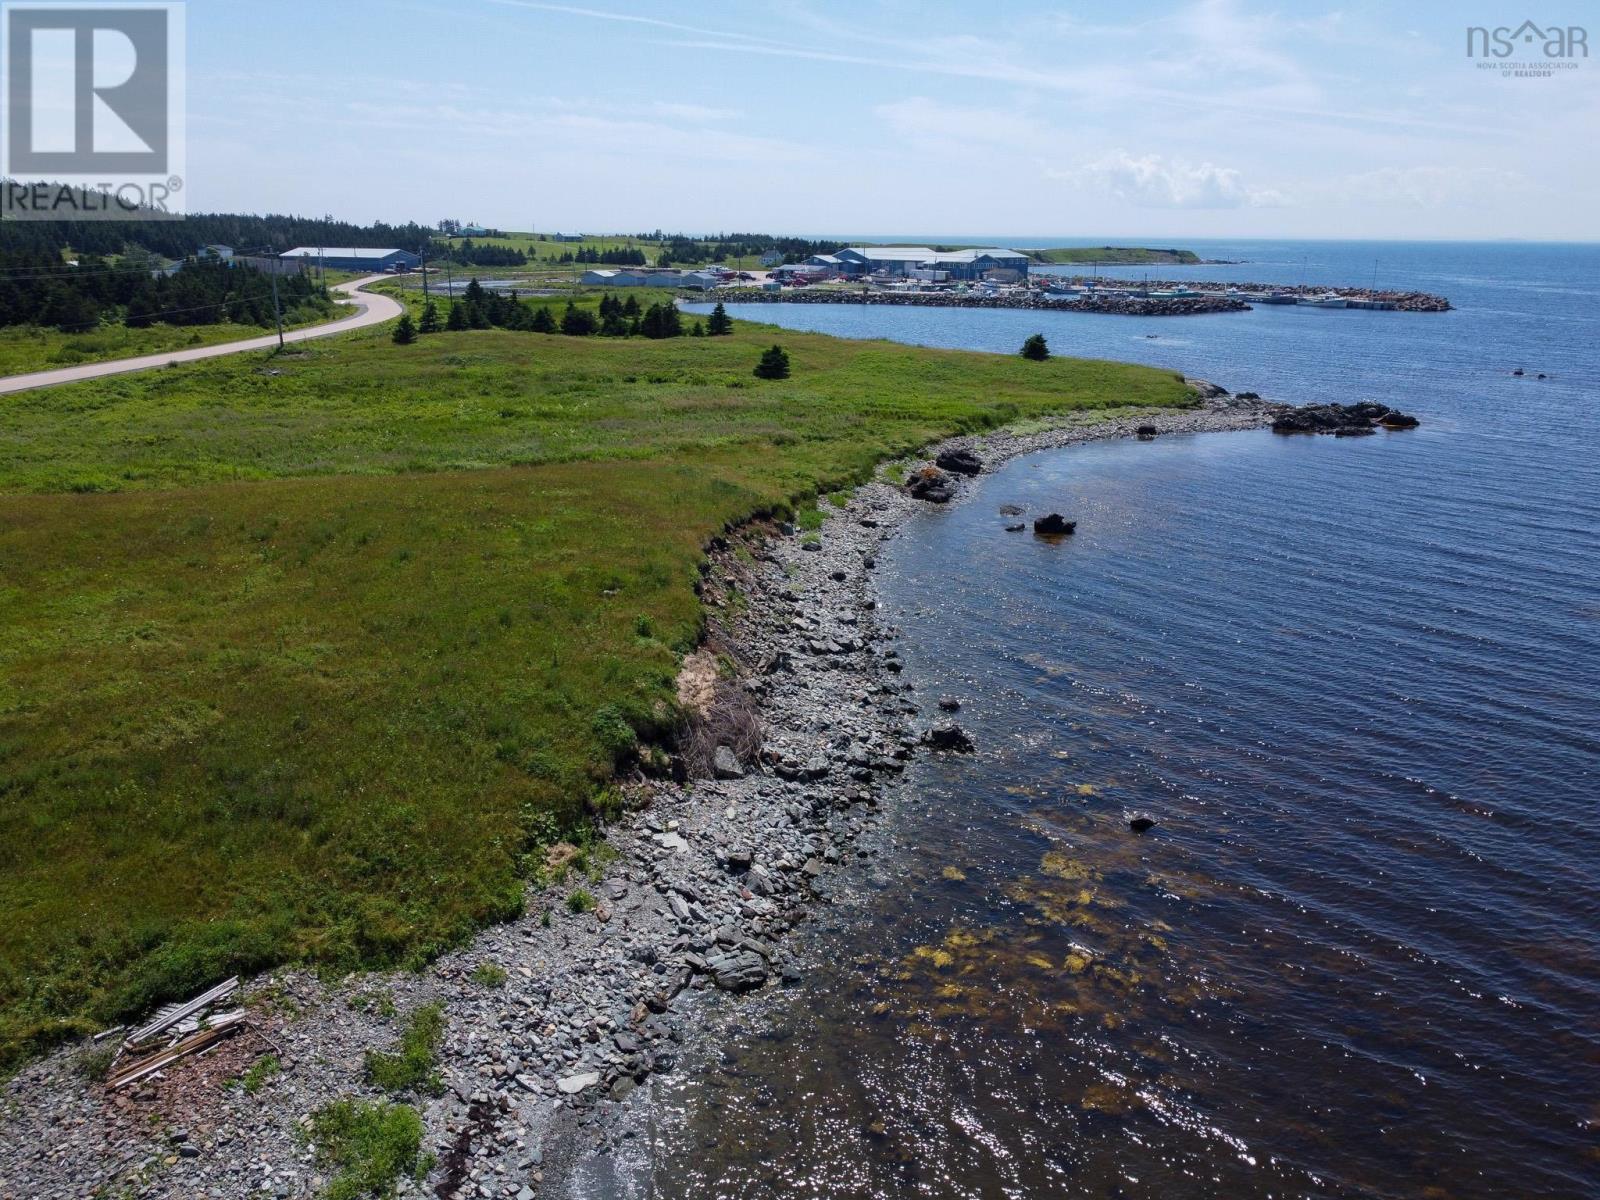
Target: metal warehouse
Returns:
[[355, 258], [912, 260]]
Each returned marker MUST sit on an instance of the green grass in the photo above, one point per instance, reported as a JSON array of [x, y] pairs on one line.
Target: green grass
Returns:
[[25, 349], [259, 1072], [547, 250], [489, 975], [1135, 255], [308, 656], [370, 1146], [414, 1064]]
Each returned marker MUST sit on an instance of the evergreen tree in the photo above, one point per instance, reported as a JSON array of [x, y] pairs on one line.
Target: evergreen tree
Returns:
[[630, 307], [577, 322], [430, 322], [1035, 348], [405, 331], [720, 322], [699, 329], [774, 364], [543, 320], [661, 321], [457, 320]]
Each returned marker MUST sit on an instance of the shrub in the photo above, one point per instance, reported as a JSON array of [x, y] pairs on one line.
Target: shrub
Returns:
[[1036, 348], [615, 734], [580, 901], [412, 1067], [370, 1145], [774, 364]]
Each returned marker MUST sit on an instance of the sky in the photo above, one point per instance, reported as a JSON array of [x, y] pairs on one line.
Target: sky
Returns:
[[1199, 118]]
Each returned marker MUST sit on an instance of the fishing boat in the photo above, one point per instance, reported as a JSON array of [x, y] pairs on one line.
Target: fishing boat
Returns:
[[1325, 300]]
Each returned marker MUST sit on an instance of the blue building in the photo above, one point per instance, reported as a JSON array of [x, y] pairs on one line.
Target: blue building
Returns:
[[354, 258]]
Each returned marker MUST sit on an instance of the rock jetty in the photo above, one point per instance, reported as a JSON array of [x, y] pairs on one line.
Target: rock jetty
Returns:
[[1398, 301], [1117, 304]]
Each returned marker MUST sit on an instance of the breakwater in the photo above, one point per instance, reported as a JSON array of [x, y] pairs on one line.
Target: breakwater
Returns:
[[1118, 303], [1398, 300]]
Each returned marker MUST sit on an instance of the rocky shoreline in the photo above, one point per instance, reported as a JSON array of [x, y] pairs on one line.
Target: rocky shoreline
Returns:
[[552, 1020], [1117, 304]]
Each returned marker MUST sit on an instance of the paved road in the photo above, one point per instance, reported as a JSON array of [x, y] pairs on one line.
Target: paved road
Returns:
[[373, 309]]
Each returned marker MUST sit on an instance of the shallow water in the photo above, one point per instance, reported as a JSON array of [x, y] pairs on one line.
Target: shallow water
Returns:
[[1355, 682]]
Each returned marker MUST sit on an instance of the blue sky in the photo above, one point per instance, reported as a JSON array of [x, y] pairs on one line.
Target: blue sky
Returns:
[[1219, 118]]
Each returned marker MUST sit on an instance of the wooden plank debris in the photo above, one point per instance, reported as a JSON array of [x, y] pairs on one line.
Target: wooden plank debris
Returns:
[[174, 1033], [173, 1013]]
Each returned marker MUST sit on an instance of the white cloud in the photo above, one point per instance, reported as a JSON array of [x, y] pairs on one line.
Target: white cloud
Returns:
[[1152, 181], [1434, 186]]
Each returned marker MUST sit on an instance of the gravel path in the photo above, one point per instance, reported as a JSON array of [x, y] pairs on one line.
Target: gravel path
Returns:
[[371, 309]]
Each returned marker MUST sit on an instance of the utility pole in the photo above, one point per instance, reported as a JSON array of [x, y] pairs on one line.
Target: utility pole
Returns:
[[450, 279], [423, 251], [277, 309]]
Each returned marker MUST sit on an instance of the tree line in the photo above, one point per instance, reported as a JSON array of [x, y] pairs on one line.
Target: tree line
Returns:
[[482, 308], [39, 288]]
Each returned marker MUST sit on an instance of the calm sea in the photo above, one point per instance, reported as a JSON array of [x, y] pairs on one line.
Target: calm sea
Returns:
[[1357, 683]]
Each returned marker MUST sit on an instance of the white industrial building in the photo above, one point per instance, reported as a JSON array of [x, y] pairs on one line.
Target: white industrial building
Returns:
[[917, 261], [664, 277]]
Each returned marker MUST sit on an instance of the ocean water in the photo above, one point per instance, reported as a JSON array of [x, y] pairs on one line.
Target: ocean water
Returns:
[[1357, 684]]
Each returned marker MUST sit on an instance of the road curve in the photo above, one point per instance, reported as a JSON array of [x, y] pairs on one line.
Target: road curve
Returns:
[[373, 309]]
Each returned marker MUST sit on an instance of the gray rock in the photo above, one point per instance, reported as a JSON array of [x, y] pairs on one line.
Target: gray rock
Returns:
[[571, 1085], [725, 763], [737, 971]]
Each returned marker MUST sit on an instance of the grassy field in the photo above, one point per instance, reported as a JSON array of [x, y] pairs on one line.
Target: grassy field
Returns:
[[28, 348], [1115, 255], [547, 251], [308, 655]]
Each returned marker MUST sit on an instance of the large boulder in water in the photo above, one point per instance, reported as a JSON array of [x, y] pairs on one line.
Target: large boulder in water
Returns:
[[961, 462], [1054, 525]]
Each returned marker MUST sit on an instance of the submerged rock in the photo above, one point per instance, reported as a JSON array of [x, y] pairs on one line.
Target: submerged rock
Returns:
[[1011, 510], [1147, 431], [1054, 525], [1139, 822], [949, 737], [1015, 527]]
